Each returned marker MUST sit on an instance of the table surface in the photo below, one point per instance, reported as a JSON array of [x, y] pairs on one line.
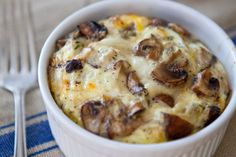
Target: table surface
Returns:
[[48, 13]]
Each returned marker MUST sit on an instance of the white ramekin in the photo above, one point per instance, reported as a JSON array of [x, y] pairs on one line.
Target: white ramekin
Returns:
[[75, 141]]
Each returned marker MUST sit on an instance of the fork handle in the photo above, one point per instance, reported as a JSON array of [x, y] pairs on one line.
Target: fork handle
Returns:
[[20, 149]]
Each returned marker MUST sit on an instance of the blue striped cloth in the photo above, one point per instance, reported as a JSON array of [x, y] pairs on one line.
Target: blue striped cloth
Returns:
[[40, 141], [234, 39]]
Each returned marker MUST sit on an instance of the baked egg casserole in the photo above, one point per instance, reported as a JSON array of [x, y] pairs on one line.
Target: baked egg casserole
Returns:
[[137, 79]]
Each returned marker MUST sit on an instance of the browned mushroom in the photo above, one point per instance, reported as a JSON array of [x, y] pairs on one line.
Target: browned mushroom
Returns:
[[167, 99], [60, 43], [136, 108], [205, 84], [120, 123], [177, 28], [116, 118], [205, 59], [171, 73], [123, 127], [133, 83], [110, 119], [158, 22], [75, 34], [73, 65], [122, 65], [213, 113], [92, 115], [150, 48], [93, 30], [176, 127]]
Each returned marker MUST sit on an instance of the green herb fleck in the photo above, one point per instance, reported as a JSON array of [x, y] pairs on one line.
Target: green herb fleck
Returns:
[[170, 38], [78, 45]]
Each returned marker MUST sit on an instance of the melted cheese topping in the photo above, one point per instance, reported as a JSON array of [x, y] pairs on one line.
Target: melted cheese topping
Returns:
[[72, 90]]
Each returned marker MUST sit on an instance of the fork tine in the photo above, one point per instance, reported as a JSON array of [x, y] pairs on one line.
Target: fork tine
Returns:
[[3, 41], [22, 36], [30, 33], [11, 18]]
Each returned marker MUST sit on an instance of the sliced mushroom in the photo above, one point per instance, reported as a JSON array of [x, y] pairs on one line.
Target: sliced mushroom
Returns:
[[176, 127], [213, 113], [123, 127], [205, 59], [92, 115], [136, 108], [73, 65], [75, 34], [122, 65], [159, 22], [150, 48], [93, 30], [205, 84], [167, 99], [61, 43], [116, 108], [117, 119], [120, 123], [109, 119], [171, 73], [177, 28], [133, 83]]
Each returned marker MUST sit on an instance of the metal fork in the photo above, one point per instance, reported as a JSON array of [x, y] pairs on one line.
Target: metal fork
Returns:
[[18, 63]]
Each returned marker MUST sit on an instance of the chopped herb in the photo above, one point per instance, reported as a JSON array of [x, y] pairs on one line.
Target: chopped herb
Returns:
[[78, 45], [169, 38]]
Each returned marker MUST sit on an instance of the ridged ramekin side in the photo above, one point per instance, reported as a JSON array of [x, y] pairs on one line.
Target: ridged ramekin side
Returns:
[[72, 147]]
